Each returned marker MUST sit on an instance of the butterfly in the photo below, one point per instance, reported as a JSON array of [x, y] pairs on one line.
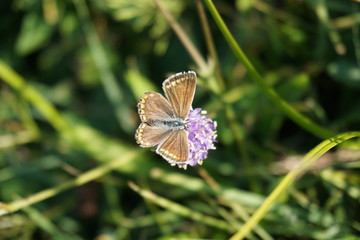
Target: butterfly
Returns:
[[163, 119]]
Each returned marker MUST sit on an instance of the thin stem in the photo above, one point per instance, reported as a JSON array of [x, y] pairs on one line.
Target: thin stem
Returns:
[[298, 118], [183, 38], [242, 148], [210, 45]]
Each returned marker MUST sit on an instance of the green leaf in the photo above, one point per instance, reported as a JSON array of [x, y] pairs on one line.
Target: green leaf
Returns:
[[33, 34], [244, 5], [345, 72], [138, 83], [293, 89]]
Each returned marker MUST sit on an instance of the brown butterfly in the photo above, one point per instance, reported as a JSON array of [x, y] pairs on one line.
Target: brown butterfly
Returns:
[[163, 119]]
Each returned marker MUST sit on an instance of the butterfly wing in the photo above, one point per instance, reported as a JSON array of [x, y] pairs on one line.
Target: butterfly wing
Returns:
[[175, 148], [149, 136], [179, 90], [154, 106]]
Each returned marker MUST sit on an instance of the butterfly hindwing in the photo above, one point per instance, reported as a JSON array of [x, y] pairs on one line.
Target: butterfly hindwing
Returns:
[[175, 148], [149, 136]]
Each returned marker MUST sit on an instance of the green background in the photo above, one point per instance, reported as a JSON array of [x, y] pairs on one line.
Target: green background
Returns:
[[68, 119]]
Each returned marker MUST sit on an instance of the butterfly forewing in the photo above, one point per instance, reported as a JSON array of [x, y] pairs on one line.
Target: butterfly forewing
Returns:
[[149, 136], [154, 106], [179, 90], [175, 148]]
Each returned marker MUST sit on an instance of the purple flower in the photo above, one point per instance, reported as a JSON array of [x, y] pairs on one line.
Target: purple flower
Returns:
[[201, 135]]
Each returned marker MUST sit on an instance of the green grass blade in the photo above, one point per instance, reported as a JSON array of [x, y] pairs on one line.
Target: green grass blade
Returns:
[[190, 47], [298, 118], [108, 80], [322, 12], [78, 181], [306, 162], [32, 96], [47, 226], [181, 210]]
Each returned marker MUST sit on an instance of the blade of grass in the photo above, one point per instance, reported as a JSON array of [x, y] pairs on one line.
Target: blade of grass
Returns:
[[298, 118], [107, 78], [137, 82], [210, 45], [356, 37], [179, 209], [346, 21], [323, 15], [234, 125], [6, 208], [338, 180], [308, 159], [51, 11], [115, 211], [194, 53], [17, 171], [237, 208], [19, 138], [148, 220], [22, 110], [242, 148], [161, 223], [29, 93], [31, 133], [274, 12], [78, 135], [194, 184], [45, 224], [228, 216]]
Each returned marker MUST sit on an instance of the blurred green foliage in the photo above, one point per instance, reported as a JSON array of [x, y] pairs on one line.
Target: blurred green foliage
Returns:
[[92, 60]]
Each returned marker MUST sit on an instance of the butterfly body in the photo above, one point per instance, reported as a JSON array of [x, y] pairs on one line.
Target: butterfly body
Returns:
[[172, 123], [163, 119]]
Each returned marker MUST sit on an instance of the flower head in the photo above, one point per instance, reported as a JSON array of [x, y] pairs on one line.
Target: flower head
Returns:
[[201, 135]]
